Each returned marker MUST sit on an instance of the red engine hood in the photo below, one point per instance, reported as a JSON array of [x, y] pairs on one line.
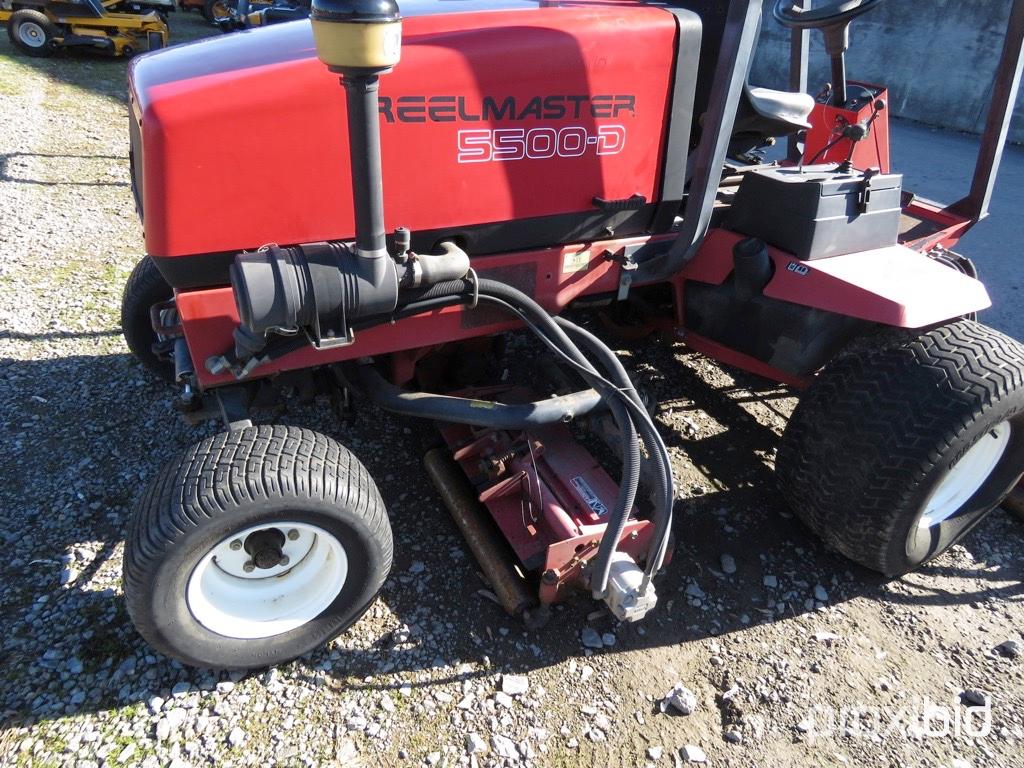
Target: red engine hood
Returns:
[[243, 142]]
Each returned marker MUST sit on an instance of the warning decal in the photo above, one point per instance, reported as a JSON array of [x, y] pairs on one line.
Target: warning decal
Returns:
[[587, 494]]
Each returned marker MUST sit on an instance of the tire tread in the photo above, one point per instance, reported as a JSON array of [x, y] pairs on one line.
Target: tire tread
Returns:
[[229, 470], [877, 421]]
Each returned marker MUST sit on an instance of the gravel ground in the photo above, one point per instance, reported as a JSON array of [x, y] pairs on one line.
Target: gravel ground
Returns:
[[783, 653]]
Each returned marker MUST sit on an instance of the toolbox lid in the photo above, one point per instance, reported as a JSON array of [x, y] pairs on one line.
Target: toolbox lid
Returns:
[[825, 181]]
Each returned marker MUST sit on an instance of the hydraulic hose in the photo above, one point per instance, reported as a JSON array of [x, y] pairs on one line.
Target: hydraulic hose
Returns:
[[618, 393], [479, 413], [651, 437], [618, 403], [549, 331]]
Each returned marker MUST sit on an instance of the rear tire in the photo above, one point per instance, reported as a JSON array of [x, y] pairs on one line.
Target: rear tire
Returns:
[[190, 582], [32, 33], [904, 443], [217, 9], [145, 287]]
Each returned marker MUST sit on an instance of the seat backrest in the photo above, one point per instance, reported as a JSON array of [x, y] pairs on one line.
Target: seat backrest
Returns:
[[713, 14], [81, 8]]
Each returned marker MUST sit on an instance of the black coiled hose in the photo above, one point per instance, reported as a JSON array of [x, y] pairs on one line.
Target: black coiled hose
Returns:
[[624, 403]]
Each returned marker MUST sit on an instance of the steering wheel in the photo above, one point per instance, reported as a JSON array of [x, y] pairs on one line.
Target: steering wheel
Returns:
[[828, 15]]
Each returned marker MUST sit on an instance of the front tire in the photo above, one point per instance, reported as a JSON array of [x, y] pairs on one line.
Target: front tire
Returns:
[[32, 33], [256, 547], [215, 10], [905, 443], [145, 287]]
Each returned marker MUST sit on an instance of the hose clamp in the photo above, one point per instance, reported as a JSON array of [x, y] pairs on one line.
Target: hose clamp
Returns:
[[476, 288]]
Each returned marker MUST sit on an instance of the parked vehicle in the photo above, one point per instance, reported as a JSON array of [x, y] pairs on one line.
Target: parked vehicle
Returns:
[[528, 158], [40, 27]]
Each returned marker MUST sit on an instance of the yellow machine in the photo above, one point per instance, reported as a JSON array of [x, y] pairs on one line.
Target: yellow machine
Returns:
[[39, 27]]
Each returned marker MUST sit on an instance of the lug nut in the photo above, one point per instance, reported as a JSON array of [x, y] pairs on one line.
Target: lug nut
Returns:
[[284, 560], [236, 544], [293, 534], [249, 566]]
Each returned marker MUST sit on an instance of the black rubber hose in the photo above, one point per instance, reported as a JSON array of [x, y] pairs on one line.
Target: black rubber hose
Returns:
[[630, 478], [479, 413], [544, 325], [650, 435], [447, 288]]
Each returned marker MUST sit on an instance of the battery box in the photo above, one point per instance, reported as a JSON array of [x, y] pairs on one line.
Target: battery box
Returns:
[[816, 211]]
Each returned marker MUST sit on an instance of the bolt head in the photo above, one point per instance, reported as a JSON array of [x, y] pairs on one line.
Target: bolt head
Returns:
[[249, 566], [293, 534], [236, 544], [284, 560]]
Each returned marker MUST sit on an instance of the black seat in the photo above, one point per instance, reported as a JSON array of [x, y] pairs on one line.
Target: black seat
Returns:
[[83, 9]]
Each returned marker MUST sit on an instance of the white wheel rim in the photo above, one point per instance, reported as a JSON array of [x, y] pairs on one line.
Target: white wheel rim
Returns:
[[264, 602], [966, 477], [31, 34]]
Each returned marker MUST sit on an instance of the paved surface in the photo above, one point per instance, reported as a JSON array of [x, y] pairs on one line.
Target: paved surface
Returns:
[[938, 165]]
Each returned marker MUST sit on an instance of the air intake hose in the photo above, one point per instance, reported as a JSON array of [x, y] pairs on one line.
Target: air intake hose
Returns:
[[325, 288], [322, 287]]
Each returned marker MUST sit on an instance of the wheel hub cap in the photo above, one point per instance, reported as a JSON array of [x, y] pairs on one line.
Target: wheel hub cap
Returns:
[[265, 548], [31, 34], [265, 581], [966, 477]]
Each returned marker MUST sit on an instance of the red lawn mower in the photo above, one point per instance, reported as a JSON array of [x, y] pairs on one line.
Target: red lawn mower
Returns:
[[469, 168]]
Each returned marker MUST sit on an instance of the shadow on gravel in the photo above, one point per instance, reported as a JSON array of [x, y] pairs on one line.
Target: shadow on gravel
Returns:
[[6, 333], [6, 175], [83, 434]]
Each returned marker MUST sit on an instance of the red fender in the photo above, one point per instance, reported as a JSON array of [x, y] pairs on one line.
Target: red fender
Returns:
[[892, 286]]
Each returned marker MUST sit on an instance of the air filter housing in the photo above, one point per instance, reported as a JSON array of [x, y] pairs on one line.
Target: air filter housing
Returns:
[[357, 35]]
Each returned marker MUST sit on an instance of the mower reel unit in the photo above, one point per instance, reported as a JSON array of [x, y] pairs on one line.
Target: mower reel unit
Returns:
[[39, 27], [539, 165]]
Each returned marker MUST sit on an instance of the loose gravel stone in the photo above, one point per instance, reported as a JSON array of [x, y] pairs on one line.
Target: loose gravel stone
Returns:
[[679, 699], [976, 698], [691, 753], [591, 638], [1009, 648], [504, 747], [515, 685]]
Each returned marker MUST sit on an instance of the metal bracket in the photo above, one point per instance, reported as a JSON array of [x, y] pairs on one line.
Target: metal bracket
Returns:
[[234, 407], [626, 259], [864, 195]]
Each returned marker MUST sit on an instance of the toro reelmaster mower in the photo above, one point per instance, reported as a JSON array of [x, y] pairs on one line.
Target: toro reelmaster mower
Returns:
[[468, 168]]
